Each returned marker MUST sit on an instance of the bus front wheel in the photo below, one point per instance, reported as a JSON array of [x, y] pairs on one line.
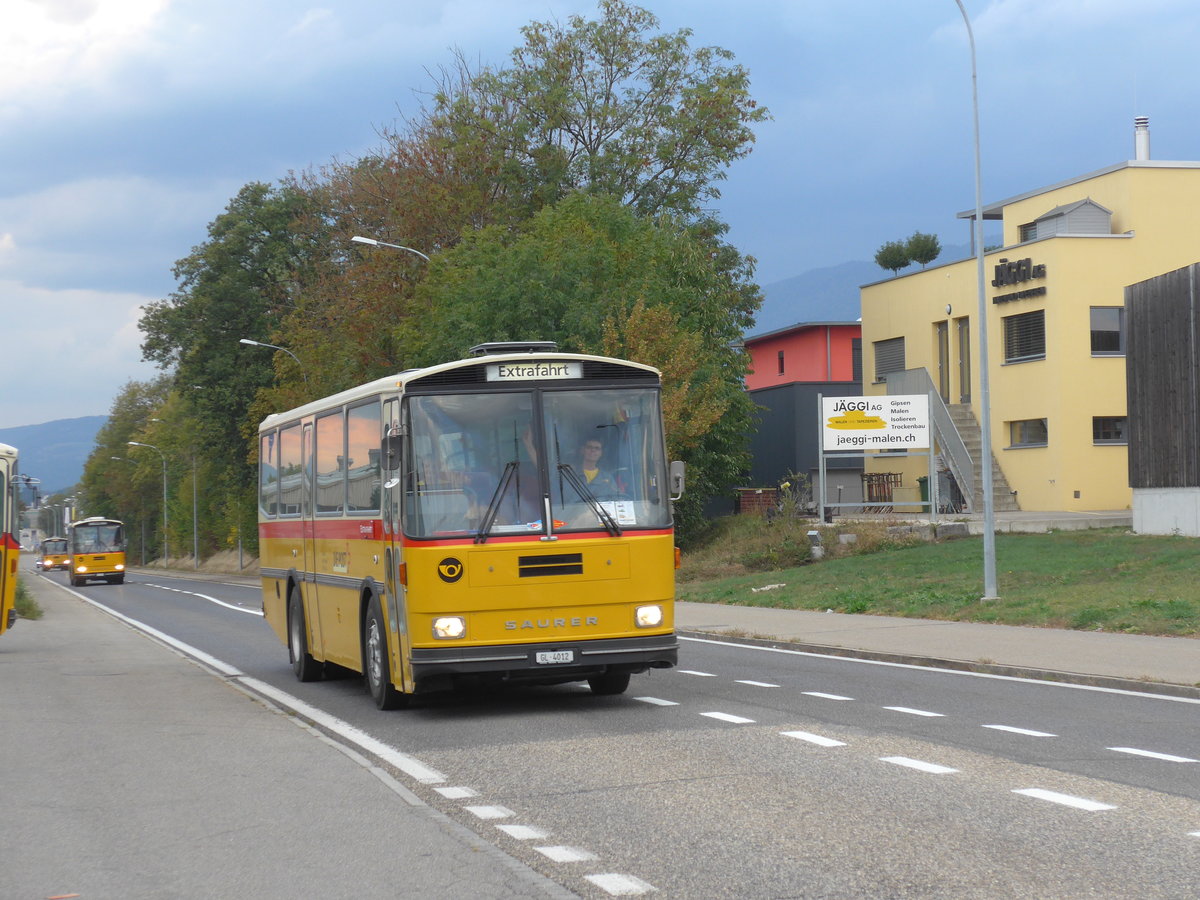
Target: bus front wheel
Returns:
[[377, 669], [303, 664]]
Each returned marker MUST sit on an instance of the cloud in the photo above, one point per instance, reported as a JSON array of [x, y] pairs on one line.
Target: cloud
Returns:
[[74, 350]]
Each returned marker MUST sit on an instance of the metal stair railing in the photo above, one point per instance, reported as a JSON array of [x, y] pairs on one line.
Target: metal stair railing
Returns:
[[949, 442]]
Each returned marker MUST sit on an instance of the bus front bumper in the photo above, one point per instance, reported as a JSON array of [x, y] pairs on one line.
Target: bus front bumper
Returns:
[[438, 668]]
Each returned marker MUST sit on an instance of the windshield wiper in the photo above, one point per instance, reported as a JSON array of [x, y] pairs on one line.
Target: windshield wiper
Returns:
[[489, 517], [585, 492]]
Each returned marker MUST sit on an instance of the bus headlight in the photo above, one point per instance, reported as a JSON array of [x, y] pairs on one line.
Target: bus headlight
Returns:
[[448, 628], [648, 616], [120, 567], [81, 568]]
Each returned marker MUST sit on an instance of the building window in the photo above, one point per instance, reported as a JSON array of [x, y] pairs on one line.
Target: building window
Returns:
[[1028, 433], [1108, 331], [1025, 336], [780, 362], [1109, 430], [856, 359], [1028, 232], [889, 357]]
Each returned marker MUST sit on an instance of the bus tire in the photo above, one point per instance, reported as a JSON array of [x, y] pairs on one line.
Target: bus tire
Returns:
[[377, 671], [609, 683], [117, 579], [303, 664]]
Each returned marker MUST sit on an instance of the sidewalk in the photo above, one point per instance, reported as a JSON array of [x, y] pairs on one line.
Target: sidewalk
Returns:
[[1166, 665], [131, 772]]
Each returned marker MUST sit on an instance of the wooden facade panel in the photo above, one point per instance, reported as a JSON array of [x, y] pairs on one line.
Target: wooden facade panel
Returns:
[[1163, 380]]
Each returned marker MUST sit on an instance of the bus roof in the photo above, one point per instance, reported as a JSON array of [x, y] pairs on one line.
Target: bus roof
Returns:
[[397, 381]]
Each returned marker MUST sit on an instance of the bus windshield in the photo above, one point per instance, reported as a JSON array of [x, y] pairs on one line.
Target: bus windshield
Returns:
[[484, 463], [105, 537]]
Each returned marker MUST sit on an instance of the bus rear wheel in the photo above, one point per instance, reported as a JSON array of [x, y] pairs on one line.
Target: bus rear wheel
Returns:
[[377, 671], [609, 683], [303, 664]]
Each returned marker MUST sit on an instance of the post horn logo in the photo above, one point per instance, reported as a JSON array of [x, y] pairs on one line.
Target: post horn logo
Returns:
[[450, 570]]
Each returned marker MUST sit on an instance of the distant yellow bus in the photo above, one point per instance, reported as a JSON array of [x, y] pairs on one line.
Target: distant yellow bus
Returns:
[[52, 554], [10, 537], [97, 547], [502, 519]]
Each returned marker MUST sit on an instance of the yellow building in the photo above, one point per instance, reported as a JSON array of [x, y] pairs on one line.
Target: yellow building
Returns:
[[1056, 328]]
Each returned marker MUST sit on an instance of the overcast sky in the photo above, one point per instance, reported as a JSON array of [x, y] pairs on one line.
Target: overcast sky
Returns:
[[128, 125]]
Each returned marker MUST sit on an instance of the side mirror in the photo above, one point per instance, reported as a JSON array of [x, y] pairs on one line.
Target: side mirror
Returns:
[[389, 451], [677, 479]]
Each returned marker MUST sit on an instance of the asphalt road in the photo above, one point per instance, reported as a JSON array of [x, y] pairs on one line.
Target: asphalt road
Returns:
[[751, 772]]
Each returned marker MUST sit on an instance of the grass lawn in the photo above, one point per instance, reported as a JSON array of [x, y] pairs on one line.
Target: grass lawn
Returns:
[[1104, 579]]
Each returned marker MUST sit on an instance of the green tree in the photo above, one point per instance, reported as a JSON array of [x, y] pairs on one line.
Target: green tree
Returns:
[[594, 276], [893, 256], [235, 285], [923, 248], [610, 106]]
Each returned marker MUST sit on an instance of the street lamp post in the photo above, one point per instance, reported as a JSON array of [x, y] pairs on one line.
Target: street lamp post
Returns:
[[374, 243], [985, 399], [166, 545], [251, 343]]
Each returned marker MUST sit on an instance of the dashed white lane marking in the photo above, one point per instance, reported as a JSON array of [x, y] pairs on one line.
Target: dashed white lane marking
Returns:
[[524, 832], [915, 712], [920, 765], [825, 696], [694, 672], [620, 885], [755, 683], [813, 738], [1152, 755], [1194, 833], [1025, 731], [1064, 799], [566, 854], [457, 793], [490, 812], [726, 717], [656, 701]]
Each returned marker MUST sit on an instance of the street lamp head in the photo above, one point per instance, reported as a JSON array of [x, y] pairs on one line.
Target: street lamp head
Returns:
[[365, 240], [250, 342]]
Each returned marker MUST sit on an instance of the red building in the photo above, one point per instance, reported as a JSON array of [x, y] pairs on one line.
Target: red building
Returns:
[[809, 351], [789, 369]]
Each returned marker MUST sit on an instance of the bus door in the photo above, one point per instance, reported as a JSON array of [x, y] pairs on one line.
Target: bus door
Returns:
[[8, 544], [310, 591], [394, 464]]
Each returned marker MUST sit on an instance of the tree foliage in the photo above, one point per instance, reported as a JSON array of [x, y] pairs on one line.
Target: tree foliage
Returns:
[[893, 255], [596, 277], [609, 106], [923, 248]]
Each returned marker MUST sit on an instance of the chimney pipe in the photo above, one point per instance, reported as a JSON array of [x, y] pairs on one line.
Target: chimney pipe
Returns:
[[1141, 137]]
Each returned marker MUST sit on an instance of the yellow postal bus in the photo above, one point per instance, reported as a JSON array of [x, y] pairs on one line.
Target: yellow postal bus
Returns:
[[503, 518], [97, 547], [52, 554], [10, 537]]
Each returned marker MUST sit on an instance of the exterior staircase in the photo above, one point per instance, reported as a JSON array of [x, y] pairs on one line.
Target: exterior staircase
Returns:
[[1003, 498]]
